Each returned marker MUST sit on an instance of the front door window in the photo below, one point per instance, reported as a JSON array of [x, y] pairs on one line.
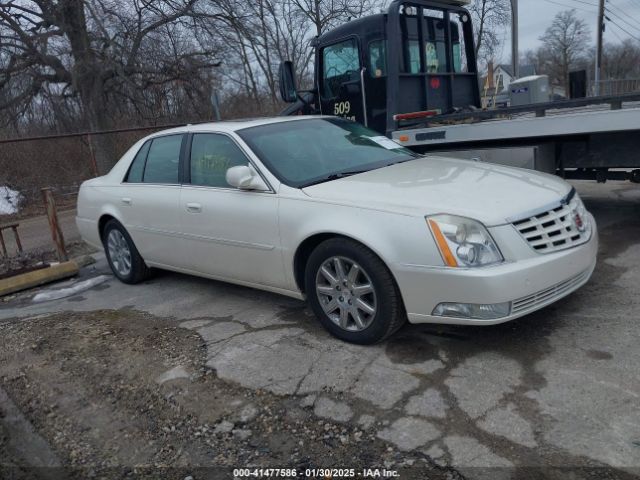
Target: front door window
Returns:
[[340, 64], [212, 154]]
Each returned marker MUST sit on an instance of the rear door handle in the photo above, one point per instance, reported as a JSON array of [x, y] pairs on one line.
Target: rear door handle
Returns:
[[126, 201], [194, 207]]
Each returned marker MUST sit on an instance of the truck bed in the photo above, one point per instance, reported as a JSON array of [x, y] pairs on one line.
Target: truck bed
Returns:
[[516, 126]]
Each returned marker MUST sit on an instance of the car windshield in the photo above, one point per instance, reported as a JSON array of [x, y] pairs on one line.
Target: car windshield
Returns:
[[306, 152]]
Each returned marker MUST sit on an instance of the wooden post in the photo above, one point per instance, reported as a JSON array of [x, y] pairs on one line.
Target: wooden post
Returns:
[[56, 232], [17, 237]]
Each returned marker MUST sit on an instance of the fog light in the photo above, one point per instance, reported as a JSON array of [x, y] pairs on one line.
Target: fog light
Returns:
[[473, 310]]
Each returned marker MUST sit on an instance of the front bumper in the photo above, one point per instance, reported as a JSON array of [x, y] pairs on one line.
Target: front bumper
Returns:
[[529, 284]]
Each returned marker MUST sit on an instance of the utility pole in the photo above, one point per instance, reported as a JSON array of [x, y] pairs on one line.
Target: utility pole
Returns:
[[599, 47], [514, 39]]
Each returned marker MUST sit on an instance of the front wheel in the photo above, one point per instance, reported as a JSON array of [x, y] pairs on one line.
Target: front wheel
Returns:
[[124, 259], [352, 292]]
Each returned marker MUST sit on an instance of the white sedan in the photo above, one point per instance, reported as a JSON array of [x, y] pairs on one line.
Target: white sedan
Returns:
[[323, 209]]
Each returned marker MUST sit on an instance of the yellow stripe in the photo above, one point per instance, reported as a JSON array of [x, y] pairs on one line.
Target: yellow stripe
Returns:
[[448, 257]]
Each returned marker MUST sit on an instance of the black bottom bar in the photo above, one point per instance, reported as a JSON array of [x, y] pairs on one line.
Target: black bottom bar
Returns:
[[601, 175]]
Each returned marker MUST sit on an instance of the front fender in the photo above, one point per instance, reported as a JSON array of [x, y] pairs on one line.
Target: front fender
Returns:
[[395, 238]]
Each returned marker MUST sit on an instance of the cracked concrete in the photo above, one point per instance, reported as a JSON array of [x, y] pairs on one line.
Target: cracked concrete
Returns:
[[428, 404], [481, 381], [409, 433], [506, 422], [384, 386], [557, 388]]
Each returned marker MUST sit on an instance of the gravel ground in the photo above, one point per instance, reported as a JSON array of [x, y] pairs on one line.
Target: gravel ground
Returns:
[[120, 393]]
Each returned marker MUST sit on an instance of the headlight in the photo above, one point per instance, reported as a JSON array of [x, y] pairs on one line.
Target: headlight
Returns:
[[579, 215], [463, 242]]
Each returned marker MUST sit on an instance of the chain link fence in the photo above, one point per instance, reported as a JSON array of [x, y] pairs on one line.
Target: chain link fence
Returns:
[[56, 162], [59, 162]]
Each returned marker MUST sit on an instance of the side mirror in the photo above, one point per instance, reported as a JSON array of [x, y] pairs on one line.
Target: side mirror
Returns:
[[288, 91], [245, 177]]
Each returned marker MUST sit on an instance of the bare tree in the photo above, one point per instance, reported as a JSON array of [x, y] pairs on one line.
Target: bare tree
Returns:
[[69, 65], [96, 50], [490, 18], [325, 14], [622, 61], [261, 34], [565, 44]]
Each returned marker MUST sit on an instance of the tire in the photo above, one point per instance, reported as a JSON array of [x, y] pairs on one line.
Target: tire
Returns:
[[116, 235], [353, 296]]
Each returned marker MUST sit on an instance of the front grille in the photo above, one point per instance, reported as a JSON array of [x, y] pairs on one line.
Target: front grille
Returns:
[[548, 295], [552, 230]]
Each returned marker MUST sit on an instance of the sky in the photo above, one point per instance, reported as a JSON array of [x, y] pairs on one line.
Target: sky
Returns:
[[536, 15]]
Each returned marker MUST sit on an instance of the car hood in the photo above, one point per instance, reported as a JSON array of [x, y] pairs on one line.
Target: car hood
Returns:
[[489, 193]]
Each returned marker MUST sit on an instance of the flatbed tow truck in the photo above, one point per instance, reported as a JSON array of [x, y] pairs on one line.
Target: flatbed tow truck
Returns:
[[412, 75]]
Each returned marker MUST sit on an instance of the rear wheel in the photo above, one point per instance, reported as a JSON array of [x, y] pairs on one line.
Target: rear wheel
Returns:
[[352, 292], [122, 255]]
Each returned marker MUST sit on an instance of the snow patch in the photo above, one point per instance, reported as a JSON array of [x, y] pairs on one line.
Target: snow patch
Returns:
[[173, 374], [48, 295], [9, 200]]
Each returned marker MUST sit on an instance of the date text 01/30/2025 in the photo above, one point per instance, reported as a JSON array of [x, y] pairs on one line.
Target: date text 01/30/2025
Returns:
[[332, 473]]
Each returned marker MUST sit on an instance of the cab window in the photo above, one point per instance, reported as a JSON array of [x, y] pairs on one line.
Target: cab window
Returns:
[[163, 160], [212, 154], [378, 58], [433, 27], [340, 64], [459, 46], [411, 45], [435, 45], [413, 48]]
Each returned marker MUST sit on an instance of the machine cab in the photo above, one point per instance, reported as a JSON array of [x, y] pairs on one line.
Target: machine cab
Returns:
[[392, 69]]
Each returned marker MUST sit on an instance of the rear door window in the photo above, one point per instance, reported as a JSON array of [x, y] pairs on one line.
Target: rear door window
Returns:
[[163, 160], [137, 166]]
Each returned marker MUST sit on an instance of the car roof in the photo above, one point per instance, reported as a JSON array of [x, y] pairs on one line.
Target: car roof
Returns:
[[234, 125]]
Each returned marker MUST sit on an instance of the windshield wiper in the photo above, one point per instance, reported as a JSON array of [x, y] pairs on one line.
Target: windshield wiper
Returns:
[[335, 176]]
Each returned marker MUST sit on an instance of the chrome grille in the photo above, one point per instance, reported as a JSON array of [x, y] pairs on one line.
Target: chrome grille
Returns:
[[552, 230], [548, 295]]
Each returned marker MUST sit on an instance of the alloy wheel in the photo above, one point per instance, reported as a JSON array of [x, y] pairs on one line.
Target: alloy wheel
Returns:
[[346, 294], [119, 252]]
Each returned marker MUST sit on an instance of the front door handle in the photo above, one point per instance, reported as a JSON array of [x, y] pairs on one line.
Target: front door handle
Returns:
[[126, 201], [194, 207]]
